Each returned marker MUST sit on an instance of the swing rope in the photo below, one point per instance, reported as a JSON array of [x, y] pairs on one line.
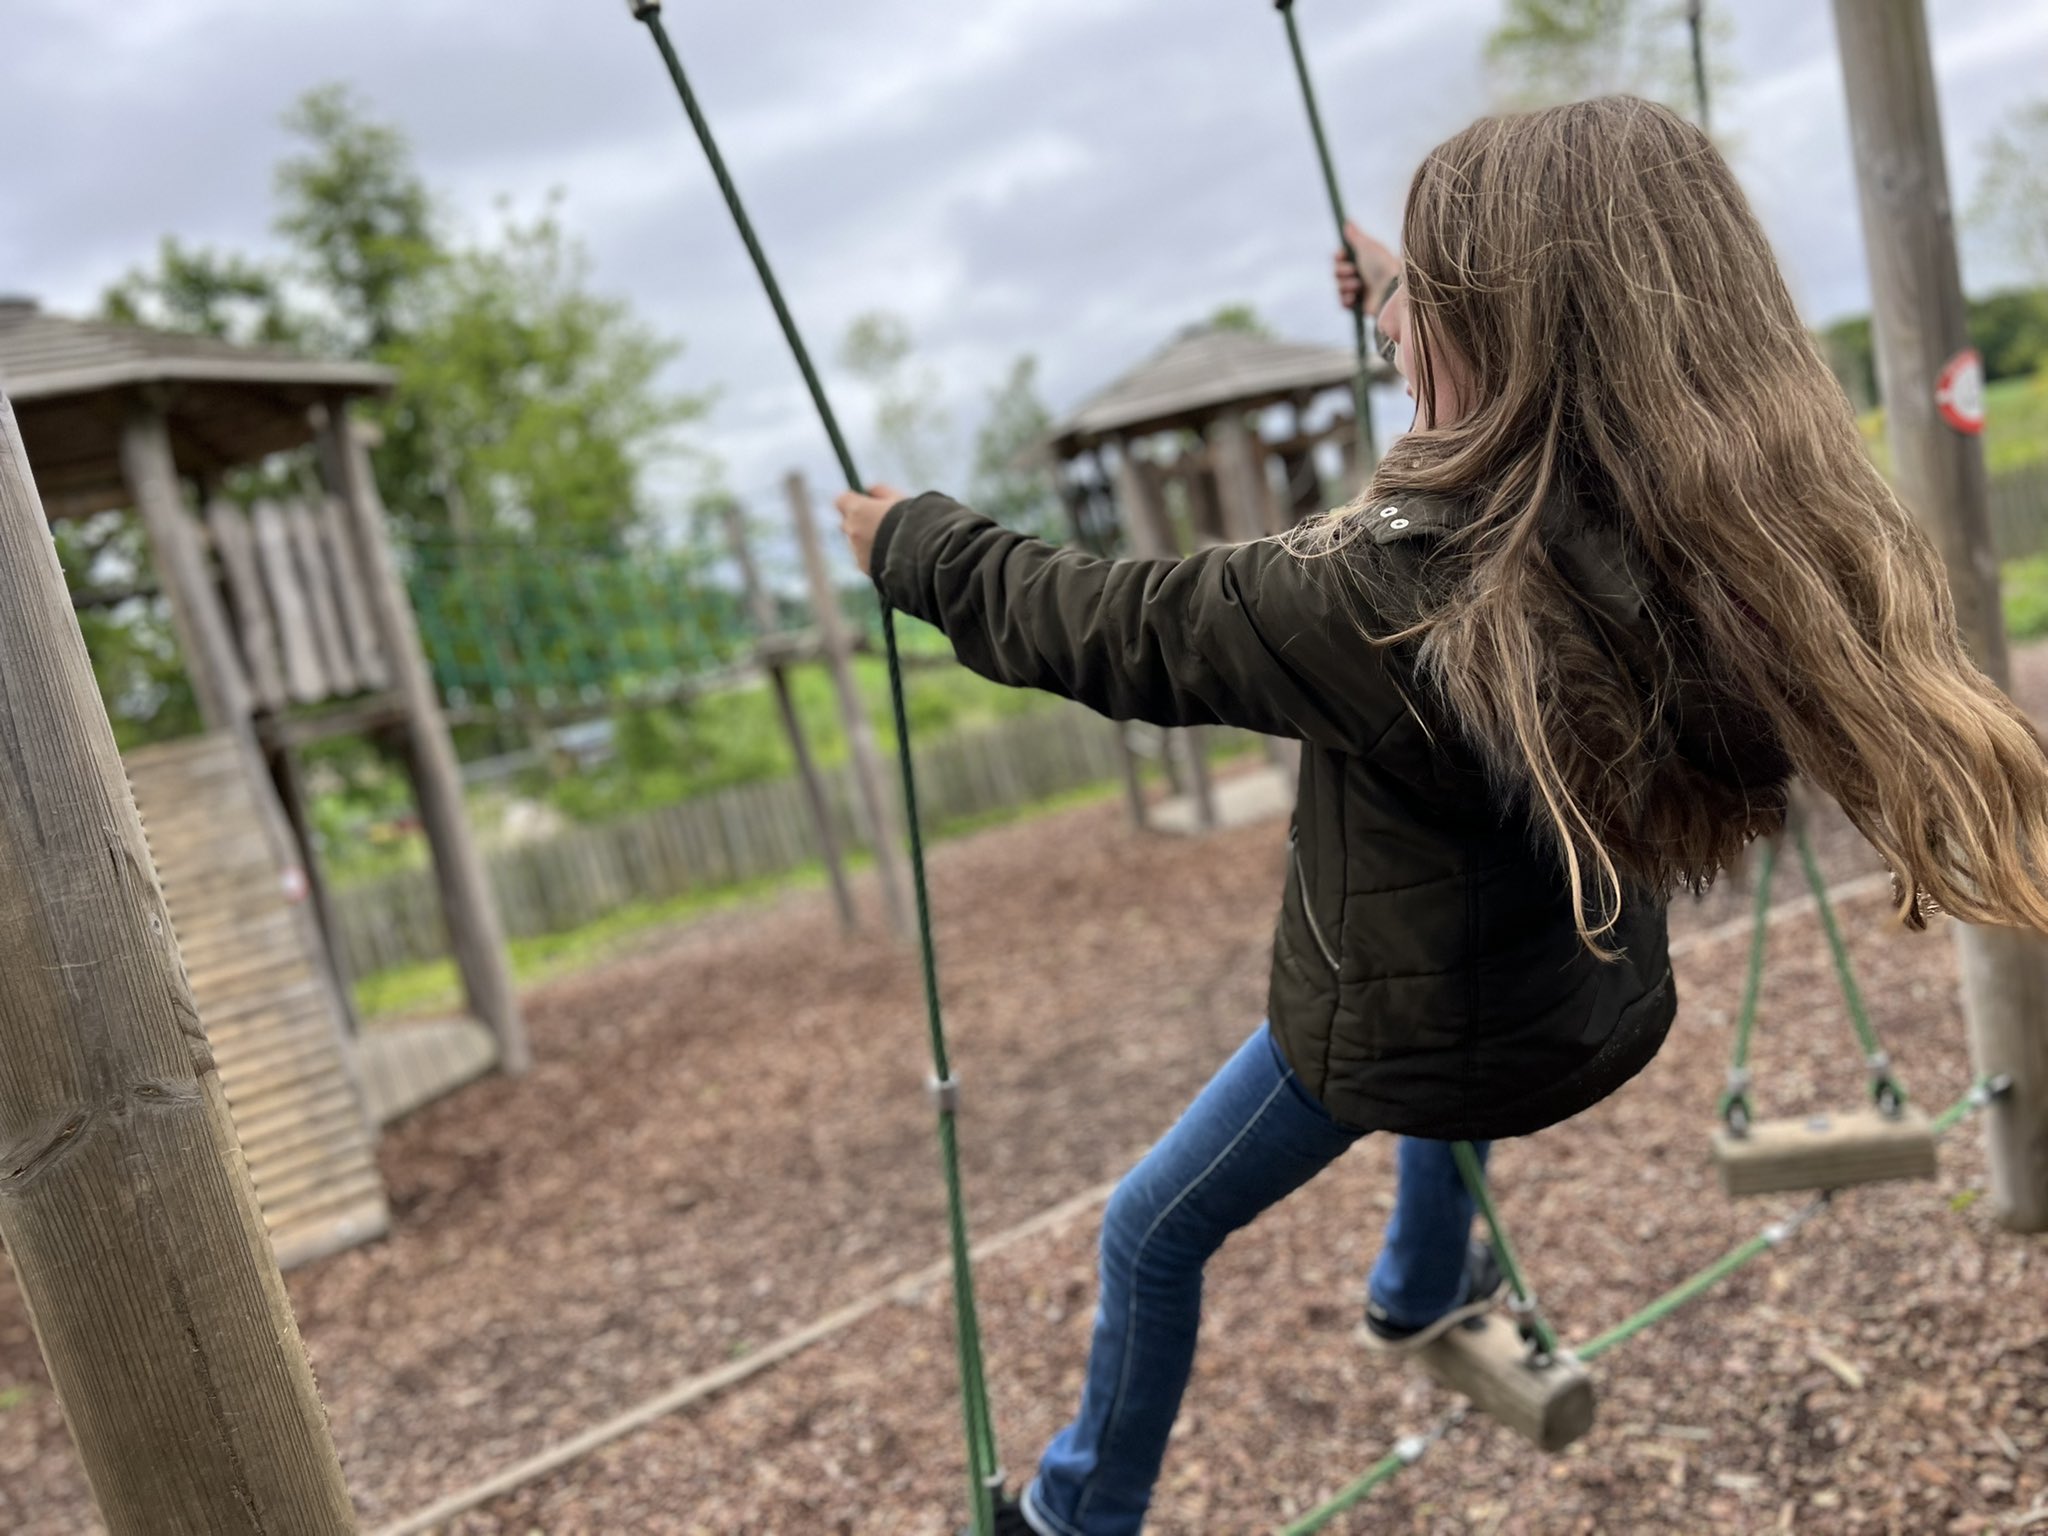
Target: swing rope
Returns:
[[1361, 403], [984, 1468], [1735, 1106]]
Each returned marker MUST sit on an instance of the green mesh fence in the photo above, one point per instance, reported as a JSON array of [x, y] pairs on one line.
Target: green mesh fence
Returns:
[[520, 626]]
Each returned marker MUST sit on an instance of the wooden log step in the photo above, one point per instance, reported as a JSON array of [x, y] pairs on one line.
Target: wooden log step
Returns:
[[1865, 1146], [1487, 1361]]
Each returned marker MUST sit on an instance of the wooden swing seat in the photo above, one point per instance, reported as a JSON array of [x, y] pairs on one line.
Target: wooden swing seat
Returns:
[[1865, 1146], [1488, 1362]]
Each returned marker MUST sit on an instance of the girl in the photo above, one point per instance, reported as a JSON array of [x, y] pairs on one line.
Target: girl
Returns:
[[1631, 570]]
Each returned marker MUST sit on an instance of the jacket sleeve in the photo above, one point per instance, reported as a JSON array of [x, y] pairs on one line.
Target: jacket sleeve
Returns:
[[1248, 635]]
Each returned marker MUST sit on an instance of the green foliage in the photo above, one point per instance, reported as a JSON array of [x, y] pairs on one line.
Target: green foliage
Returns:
[[1548, 51], [134, 653], [1239, 317], [209, 293], [2009, 207], [2010, 329], [2025, 587], [911, 426], [2015, 426], [669, 753], [526, 401], [358, 217], [1013, 469]]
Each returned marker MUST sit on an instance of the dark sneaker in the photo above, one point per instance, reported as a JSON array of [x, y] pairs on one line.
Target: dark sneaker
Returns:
[[1010, 1519], [1483, 1286]]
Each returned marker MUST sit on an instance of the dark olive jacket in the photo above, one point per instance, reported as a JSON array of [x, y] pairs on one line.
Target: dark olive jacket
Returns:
[[1427, 975]]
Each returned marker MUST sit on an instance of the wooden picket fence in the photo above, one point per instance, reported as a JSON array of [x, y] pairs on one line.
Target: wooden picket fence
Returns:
[[746, 833]]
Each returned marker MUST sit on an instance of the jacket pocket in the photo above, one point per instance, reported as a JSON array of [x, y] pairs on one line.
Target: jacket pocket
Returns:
[[1308, 906]]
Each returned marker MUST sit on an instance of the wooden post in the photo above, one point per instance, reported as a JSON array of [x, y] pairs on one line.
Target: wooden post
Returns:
[[125, 1205], [474, 932], [1075, 498], [890, 860], [1152, 539], [1920, 329], [1247, 513], [762, 607]]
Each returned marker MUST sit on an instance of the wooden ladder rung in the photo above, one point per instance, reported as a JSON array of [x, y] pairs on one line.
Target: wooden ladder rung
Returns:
[[1487, 1361], [1865, 1146]]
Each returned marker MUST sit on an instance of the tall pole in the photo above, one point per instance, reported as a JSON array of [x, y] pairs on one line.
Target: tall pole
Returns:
[[1361, 390], [125, 1204], [1930, 382], [761, 607], [861, 750], [1696, 22]]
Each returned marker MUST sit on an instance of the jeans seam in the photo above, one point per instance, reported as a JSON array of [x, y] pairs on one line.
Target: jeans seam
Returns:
[[1036, 1512], [1137, 1258]]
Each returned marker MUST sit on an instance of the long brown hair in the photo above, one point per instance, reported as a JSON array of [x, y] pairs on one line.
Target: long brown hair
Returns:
[[1632, 352]]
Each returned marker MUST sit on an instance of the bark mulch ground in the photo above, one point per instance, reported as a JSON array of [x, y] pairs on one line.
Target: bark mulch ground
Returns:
[[726, 1136]]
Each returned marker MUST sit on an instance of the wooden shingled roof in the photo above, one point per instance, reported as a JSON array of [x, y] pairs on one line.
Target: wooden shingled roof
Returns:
[[1198, 374], [73, 381]]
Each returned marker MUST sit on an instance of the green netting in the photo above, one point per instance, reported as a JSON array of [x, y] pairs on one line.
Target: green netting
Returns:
[[521, 626]]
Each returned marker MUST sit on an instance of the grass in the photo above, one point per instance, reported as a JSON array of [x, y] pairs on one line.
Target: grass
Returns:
[[2015, 426], [2026, 597], [433, 986]]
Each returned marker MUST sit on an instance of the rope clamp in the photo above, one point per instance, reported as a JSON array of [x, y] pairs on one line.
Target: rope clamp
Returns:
[[642, 9], [945, 1092], [1991, 1089], [1410, 1448]]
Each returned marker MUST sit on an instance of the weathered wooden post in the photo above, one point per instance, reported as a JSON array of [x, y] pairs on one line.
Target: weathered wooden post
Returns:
[[1152, 539], [474, 931], [124, 1201], [762, 607], [866, 757], [1928, 376]]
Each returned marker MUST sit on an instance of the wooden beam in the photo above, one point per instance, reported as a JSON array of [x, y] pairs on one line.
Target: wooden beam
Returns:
[[475, 933], [1921, 329], [1487, 1360], [1825, 1152], [125, 1205], [891, 862], [762, 607]]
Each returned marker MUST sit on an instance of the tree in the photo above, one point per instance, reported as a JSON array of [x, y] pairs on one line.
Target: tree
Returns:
[[2009, 208], [526, 402], [358, 217], [1239, 317], [1013, 467], [1549, 51], [910, 425], [209, 293]]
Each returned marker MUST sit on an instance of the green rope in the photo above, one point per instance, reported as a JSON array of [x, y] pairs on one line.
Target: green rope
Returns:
[[1361, 399], [984, 1470], [1735, 1100], [1534, 1327], [1884, 1088], [1408, 1452]]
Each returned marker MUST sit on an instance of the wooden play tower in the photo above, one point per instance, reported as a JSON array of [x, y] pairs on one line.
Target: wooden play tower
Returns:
[[293, 625], [1223, 435]]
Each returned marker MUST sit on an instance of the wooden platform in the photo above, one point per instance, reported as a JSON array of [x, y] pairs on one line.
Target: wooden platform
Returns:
[[407, 1065], [268, 1013], [1240, 800]]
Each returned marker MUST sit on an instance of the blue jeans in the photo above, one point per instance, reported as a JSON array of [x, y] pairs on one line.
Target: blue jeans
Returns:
[[1252, 1137]]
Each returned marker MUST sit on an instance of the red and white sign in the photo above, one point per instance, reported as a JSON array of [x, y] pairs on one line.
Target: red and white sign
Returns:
[[1960, 392]]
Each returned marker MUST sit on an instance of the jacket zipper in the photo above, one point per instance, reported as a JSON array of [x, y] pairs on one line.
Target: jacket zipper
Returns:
[[1308, 909]]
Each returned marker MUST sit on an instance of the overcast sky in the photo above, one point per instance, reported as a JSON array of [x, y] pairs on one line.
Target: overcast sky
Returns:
[[1074, 178]]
